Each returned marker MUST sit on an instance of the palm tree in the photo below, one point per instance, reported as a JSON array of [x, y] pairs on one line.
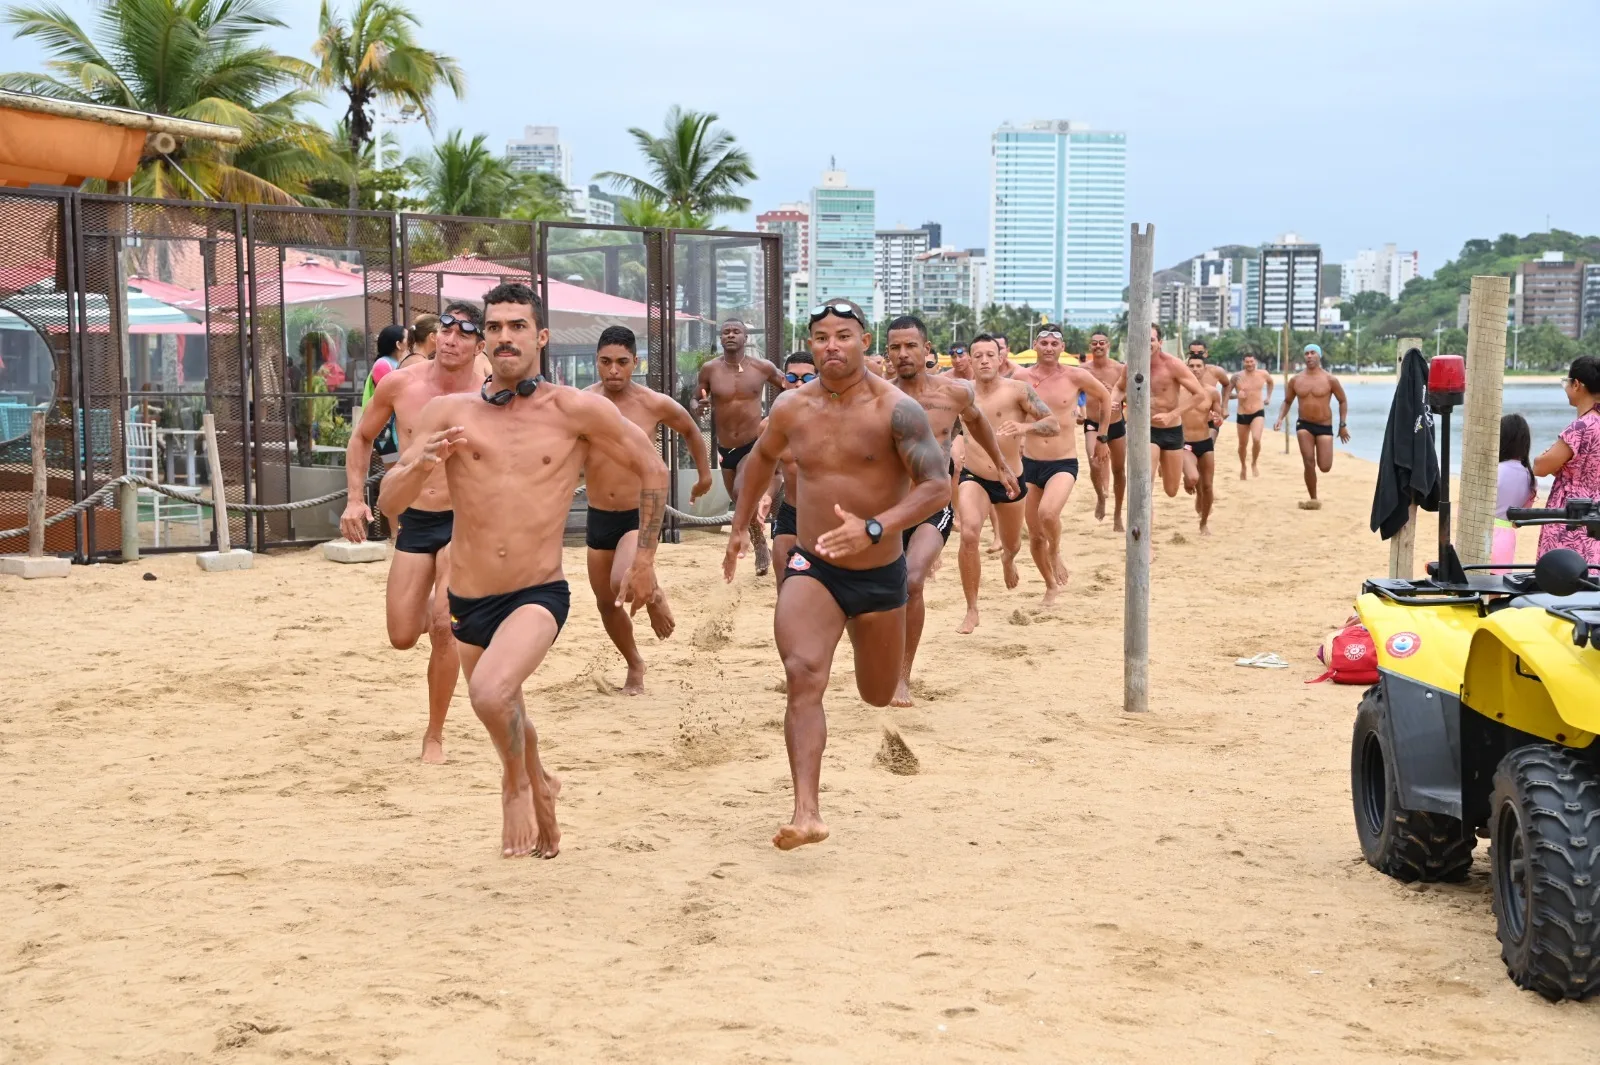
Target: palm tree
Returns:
[[537, 197], [195, 59], [695, 170], [462, 177], [652, 213], [374, 60]]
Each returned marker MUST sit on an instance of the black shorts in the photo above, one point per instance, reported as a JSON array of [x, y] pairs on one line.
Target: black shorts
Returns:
[[475, 621], [603, 530], [857, 591], [940, 519], [1246, 419], [996, 491], [1168, 439], [1314, 428], [424, 532], [1039, 471], [785, 522], [728, 458], [1200, 447]]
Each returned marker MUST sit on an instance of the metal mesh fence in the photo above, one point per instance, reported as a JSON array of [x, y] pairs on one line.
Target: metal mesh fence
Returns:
[[447, 258]]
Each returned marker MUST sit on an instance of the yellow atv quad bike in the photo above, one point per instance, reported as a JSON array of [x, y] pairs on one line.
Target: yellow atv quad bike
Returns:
[[1483, 723]]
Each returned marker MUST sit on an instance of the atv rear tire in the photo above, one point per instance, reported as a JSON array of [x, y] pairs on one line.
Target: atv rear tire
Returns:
[[1408, 845], [1544, 859]]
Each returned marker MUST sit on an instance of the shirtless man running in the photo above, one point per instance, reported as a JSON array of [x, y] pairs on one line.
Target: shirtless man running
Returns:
[[1253, 386], [946, 401], [732, 387], [869, 468], [419, 573], [1315, 388], [1110, 465], [512, 453], [1210, 376], [1169, 380], [1199, 446], [612, 525], [1017, 410], [798, 369], [1050, 463]]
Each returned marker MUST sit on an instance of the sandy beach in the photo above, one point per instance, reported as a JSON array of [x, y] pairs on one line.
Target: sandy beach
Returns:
[[220, 845]]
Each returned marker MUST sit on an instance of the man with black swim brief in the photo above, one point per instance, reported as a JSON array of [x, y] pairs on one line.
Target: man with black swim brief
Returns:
[[1109, 470], [419, 573], [1253, 386], [1199, 447], [611, 527], [512, 453], [733, 388], [1315, 389], [867, 468], [1169, 380], [1016, 410], [1050, 463], [798, 369], [948, 402]]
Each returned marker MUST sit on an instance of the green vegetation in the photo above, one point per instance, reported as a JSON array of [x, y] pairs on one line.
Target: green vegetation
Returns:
[[695, 172]]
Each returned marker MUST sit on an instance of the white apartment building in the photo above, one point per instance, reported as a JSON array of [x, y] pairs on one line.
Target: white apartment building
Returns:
[[894, 253], [542, 151], [1382, 270]]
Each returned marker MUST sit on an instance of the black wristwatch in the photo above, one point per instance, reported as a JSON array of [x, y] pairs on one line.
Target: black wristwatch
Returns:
[[1103, 438], [874, 529]]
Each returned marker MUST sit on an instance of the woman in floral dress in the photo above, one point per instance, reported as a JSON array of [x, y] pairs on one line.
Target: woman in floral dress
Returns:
[[1574, 459]]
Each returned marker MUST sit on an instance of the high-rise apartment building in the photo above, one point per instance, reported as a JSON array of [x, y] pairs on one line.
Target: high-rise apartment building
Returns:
[[542, 151], [1195, 309], [592, 205], [792, 221], [1251, 299], [1291, 284], [935, 234], [1236, 317], [894, 252], [1210, 268], [1382, 270], [945, 277], [1550, 291], [843, 224], [1057, 238], [1591, 296]]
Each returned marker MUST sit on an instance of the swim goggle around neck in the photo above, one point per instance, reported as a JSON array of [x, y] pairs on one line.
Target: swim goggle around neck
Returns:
[[526, 387]]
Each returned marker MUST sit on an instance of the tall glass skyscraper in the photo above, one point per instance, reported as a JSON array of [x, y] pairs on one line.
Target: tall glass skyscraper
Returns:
[[1057, 229], [844, 224]]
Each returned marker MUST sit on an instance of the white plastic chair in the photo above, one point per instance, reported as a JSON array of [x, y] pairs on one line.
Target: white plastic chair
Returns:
[[144, 460]]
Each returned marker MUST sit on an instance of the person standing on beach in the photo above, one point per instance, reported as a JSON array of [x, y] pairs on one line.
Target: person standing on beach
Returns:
[[1315, 389], [947, 403], [732, 387], [1017, 410], [1253, 387], [423, 339], [611, 526], [1109, 469], [512, 454], [1199, 446], [1574, 459], [1050, 463], [419, 573], [868, 469]]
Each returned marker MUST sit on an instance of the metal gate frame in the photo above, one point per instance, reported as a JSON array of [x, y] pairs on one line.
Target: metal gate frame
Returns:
[[516, 263]]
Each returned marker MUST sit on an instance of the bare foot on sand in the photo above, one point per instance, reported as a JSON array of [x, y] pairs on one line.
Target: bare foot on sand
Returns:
[[994, 548], [1050, 597], [517, 834], [634, 685], [432, 750], [1242, 475], [661, 619], [968, 623], [1204, 531], [791, 836], [1008, 564], [902, 693], [1311, 504], [1255, 470], [548, 844], [1117, 525], [1100, 508]]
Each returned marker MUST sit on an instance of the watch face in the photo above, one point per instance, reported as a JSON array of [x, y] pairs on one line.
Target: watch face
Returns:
[[874, 529]]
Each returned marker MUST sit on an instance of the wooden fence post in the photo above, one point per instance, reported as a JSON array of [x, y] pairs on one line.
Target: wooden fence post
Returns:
[[224, 557], [1480, 429], [1136, 585]]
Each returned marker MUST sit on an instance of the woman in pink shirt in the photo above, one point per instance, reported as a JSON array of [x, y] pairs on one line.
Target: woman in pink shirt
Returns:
[[1574, 459]]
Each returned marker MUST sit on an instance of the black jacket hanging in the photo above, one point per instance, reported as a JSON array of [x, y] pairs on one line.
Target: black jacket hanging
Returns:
[[1408, 472]]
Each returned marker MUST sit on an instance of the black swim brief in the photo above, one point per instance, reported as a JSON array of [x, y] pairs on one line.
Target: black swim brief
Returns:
[[785, 522], [940, 519], [857, 591], [424, 532], [1200, 447], [1039, 471], [603, 530], [1167, 439], [1118, 430], [728, 458], [475, 621], [1314, 428], [1246, 419], [995, 490]]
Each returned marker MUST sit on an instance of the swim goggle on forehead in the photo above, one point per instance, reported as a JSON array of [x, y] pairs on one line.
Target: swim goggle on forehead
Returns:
[[1049, 333], [799, 378], [840, 308], [526, 387], [467, 325]]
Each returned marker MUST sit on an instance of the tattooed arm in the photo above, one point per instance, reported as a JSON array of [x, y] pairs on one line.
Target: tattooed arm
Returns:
[[1045, 422], [615, 439]]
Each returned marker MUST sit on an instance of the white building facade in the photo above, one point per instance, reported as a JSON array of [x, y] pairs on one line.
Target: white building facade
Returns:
[[894, 253]]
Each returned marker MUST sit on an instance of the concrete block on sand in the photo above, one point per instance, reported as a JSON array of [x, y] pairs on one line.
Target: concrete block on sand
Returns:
[[34, 568], [219, 561], [365, 551]]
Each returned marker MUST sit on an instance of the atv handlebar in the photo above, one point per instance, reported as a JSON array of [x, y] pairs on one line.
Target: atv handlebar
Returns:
[[1577, 514]]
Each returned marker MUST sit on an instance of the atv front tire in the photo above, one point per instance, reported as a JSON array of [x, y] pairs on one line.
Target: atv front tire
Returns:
[[1408, 845], [1544, 857]]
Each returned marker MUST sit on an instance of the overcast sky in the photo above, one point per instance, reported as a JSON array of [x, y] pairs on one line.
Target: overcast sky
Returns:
[[1422, 122]]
